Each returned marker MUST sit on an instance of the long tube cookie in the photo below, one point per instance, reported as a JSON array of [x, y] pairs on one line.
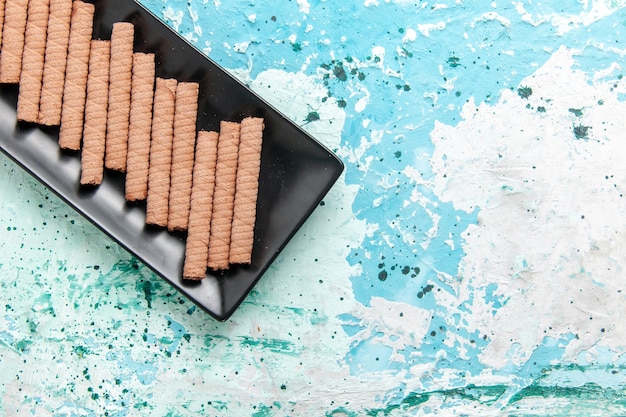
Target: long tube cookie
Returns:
[[161, 151], [13, 32], [199, 228], [2, 7], [32, 61], [246, 190], [140, 121], [119, 95], [54, 63], [74, 89], [92, 156], [224, 196], [183, 154]]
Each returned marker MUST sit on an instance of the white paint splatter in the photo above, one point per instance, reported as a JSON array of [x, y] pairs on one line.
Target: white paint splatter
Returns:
[[397, 325], [190, 36], [207, 48], [363, 101], [426, 28], [197, 29], [551, 225], [566, 22], [378, 53], [175, 18], [492, 16], [409, 36], [304, 6], [241, 47], [356, 155]]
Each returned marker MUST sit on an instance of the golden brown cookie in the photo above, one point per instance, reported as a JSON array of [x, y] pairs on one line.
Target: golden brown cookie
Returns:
[[140, 126], [224, 196], [32, 61], [13, 33], [2, 7], [54, 64], [122, 38], [74, 89], [183, 154], [246, 190], [161, 151], [92, 156], [199, 227]]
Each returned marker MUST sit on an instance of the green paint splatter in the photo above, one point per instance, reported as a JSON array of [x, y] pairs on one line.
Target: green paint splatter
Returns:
[[218, 405], [453, 61], [312, 117], [147, 291], [340, 72], [81, 351], [273, 345], [32, 325], [525, 92], [576, 112], [23, 346], [588, 391], [263, 411], [486, 395], [44, 300], [581, 132], [341, 412]]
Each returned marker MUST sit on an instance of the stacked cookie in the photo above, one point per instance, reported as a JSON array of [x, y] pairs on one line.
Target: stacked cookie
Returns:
[[112, 109]]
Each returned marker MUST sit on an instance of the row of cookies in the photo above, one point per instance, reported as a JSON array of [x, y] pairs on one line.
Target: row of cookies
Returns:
[[112, 108]]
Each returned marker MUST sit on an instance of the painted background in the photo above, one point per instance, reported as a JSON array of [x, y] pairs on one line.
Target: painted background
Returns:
[[469, 261]]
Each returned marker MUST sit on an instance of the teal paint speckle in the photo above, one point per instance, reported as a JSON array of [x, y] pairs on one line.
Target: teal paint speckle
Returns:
[[525, 92], [581, 132], [146, 287], [81, 351]]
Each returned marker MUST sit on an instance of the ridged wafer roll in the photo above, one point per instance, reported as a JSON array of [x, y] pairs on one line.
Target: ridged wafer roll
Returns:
[[246, 190], [161, 151], [74, 89], [32, 61], [2, 6], [199, 228], [92, 156], [224, 195], [13, 33], [183, 154], [122, 38], [54, 63], [140, 126]]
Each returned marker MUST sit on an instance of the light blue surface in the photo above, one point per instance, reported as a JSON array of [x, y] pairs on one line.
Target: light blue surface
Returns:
[[391, 300]]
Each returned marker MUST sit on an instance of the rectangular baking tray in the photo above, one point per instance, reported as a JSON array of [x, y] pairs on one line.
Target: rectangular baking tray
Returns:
[[296, 170]]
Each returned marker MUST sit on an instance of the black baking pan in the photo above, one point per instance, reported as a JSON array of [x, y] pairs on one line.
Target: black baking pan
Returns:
[[296, 170]]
